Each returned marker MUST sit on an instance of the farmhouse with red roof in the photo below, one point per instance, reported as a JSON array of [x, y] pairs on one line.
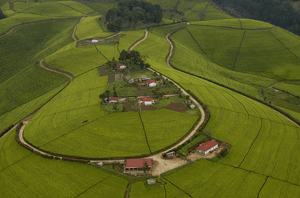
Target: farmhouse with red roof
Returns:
[[146, 100], [151, 83], [206, 147], [136, 164], [112, 99], [120, 66], [95, 40]]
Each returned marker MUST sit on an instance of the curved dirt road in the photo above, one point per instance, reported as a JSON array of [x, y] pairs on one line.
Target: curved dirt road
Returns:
[[75, 28], [145, 36]]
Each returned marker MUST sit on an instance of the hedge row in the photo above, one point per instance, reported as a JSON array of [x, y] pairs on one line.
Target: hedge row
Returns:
[[6, 130]]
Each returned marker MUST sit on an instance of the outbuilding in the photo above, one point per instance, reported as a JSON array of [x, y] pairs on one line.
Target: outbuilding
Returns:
[[206, 147], [113, 100], [151, 83], [192, 106], [95, 40], [136, 164], [120, 66], [146, 101]]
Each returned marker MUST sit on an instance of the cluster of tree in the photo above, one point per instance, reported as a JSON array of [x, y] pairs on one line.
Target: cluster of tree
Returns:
[[278, 12], [133, 59], [2, 16], [130, 13]]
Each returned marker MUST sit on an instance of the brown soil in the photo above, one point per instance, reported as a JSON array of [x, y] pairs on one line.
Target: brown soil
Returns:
[[128, 107], [179, 107], [113, 42], [147, 108], [104, 71]]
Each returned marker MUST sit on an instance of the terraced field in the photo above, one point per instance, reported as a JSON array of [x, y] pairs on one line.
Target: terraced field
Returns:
[[263, 161], [89, 28]]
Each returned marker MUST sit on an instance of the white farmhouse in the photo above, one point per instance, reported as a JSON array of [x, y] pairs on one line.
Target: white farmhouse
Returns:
[[95, 40], [151, 83], [206, 147], [146, 101], [120, 66]]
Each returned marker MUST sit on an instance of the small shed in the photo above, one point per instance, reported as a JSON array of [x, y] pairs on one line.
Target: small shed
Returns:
[[192, 106], [136, 164], [131, 81], [206, 147], [151, 181]]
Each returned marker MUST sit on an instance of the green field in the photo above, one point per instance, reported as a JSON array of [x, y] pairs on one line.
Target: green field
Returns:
[[59, 178], [89, 28]]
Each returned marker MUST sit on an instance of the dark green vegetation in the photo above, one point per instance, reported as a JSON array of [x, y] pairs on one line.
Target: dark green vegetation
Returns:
[[131, 13], [282, 13]]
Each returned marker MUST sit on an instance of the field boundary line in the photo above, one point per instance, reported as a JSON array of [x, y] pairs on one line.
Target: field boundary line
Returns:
[[261, 123], [262, 187], [240, 23], [284, 45], [144, 131], [93, 186], [237, 54], [232, 28], [178, 187]]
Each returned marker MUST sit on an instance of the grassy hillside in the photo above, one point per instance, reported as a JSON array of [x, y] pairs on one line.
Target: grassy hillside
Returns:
[[58, 178], [89, 28]]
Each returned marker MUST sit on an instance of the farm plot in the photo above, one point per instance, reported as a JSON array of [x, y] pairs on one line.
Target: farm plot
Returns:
[[130, 37], [213, 13], [234, 23], [164, 127], [277, 144], [262, 52], [59, 178], [224, 49], [111, 187], [89, 28], [275, 188], [217, 180], [163, 31], [254, 24], [52, 9], [77, 6], [290, 88], [82, 59], [141, 189], [192, 9]]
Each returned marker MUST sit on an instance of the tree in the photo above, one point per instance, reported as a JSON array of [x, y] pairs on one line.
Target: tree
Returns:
[[146, 167], [208, 132], [2, 16]]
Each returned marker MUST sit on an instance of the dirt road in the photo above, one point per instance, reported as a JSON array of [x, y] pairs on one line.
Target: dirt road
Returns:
[[75, 28], [144, 38]]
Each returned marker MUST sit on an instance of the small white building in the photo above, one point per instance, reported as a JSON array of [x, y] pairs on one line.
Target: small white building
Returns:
[[151, 181], [146, 101], [206, 147], [192, 106], [95, 40], [151, 83], [120, 66]]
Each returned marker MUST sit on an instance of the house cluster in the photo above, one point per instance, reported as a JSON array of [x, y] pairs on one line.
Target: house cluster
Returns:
[[206, 147], [144, 82], [121, 66]]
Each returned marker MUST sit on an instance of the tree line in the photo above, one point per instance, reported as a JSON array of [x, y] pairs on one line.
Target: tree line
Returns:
[[131, 13], [2, 16], [281, 13]]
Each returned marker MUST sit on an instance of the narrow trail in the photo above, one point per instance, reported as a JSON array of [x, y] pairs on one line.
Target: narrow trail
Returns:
[[141, 40], [75, 28]]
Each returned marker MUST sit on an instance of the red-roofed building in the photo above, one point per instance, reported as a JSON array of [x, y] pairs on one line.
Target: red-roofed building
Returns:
[[121, 66], [95, 40], [136, 164], [112, 99], [146, 101], [151, 83], [206, 147]]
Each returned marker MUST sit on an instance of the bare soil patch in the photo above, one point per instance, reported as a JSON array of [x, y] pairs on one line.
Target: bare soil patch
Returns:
[[127, 107], [147, 108], [104, 71], [179, 107]]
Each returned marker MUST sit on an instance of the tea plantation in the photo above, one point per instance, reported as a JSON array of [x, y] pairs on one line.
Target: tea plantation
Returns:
[[216, 58]]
